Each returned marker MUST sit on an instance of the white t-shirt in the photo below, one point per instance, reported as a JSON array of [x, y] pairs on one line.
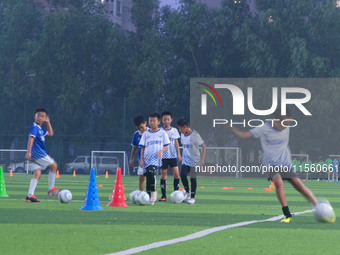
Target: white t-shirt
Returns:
[[191, 153], [153, 141], [274, 144], [173, 136]]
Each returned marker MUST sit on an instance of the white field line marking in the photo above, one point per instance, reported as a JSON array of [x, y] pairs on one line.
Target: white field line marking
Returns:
[[197, 235]]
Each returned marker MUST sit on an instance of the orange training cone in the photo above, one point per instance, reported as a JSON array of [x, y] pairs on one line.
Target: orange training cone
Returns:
[[11, 173], [272, 185], [107, 174], [74, 173], [117, 197], [57, 176]]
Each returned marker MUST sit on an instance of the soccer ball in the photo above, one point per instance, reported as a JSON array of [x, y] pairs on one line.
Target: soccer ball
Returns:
[[132, 196], [177, 197], [135, 196], [65, 196], [323, 212], [142, 198]]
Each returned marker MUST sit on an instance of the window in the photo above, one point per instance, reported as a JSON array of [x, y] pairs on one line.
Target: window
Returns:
[[118, 8], [80, 160]]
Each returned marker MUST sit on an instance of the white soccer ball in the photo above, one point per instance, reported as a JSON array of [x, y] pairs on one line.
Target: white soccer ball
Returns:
[[132, 196], [65, 196], [323, 212], [135, 196], [177, 197], [142, 198]]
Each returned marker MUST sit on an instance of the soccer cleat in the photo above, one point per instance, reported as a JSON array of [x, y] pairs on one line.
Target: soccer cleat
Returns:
[[32, 199], [190, 201], [287, 219], [52, 192], [162, 199]]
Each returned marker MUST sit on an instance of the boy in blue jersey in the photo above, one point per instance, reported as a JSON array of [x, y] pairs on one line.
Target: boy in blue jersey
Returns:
[[37, 156], [140, 124], [191, 141], [171, 155], [335, 163], [154, 142], [274, 139]]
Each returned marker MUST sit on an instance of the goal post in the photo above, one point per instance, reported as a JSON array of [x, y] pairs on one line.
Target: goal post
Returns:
[[300, 157], [103, 161], [13, 159], [222, 161]]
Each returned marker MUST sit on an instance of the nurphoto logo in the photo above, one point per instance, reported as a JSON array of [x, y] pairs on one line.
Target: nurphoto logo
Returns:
[[296, 96]]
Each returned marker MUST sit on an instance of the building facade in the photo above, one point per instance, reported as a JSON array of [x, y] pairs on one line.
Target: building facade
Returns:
[[119, 13]]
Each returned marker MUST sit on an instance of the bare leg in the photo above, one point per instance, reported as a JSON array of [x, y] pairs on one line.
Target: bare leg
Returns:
[[300, 187], [141, 179], [280, 192], [37, 174], [164, 174], [175, 172], [53, 167]]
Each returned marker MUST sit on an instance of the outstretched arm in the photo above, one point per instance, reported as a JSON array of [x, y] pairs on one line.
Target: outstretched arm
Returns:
[[239, 133]]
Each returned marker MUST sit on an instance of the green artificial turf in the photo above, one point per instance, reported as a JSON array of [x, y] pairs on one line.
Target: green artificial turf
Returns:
[[54, 228]]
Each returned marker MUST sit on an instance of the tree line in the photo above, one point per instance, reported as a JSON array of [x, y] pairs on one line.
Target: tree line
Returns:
[[79, 65]]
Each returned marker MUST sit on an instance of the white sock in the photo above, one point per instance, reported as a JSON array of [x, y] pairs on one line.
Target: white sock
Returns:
[[51, 180], [33, 185]]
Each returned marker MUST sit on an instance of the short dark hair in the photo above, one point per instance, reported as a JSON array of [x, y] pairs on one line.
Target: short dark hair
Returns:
[[155, 115], [166, 113], [40, 110], [183, 122], [277, 114], [138, 120]]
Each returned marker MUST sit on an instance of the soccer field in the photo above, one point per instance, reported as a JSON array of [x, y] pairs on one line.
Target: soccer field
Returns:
[[54, 228]]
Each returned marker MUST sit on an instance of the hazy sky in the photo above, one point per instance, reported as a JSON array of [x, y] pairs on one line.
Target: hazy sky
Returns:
[[172, 3]]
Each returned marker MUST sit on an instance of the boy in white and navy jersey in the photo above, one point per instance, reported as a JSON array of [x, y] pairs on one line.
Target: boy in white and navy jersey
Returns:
[[274, 139], [171, 155], [191, 157], [140, 124], [37, 156], [154, 142]]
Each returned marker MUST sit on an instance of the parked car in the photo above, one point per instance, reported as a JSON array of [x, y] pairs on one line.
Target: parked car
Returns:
[[20, 167], [82, 165]]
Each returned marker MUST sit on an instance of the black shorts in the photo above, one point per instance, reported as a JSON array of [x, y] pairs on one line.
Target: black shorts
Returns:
[[151, 169], [172, 162], [285, 175]]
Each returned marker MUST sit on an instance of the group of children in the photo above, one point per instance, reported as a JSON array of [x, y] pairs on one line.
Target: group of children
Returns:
[[158, 148]]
